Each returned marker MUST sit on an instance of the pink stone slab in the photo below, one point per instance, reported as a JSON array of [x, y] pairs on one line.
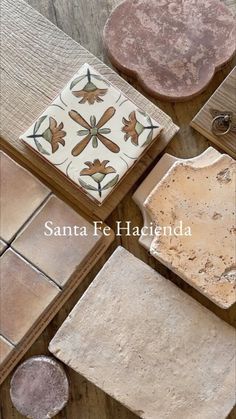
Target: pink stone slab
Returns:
[[149, 345], [172, 47], [39, 388]]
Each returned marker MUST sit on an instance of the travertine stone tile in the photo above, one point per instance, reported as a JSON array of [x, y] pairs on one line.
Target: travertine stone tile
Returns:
[[202, 198], [56, 255], [154, 177], [149, 345], [5, 348], [3, 246], [21, 195], [25, 294]]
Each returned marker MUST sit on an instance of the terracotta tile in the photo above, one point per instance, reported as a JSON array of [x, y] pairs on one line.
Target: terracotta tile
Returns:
[[3, 246], [202, 199], [57, 256], [145, 342], [25, 294], [92, 133], [5, 348], [143, 39], [21, 195]]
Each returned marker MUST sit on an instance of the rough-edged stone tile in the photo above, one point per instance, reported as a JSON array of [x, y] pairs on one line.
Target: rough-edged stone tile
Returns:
[[21, 195], [202, 198], [171, 47], [149, 345], [25, 294], [57, 256], [5, 349]]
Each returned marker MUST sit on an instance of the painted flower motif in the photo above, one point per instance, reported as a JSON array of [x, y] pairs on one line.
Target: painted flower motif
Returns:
[[53, 134], [94, 131], [98, 171], [90, 93], [133, 129]]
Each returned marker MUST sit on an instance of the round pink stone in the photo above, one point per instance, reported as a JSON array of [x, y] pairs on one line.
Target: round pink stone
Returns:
[[39, 388]]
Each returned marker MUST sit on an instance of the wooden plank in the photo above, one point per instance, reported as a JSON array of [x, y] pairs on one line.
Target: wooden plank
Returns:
[[37, 61], [224, 99]]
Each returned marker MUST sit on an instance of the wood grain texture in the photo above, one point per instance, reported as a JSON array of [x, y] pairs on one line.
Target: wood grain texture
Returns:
[[84, 22], [224, 99], [37, 62]]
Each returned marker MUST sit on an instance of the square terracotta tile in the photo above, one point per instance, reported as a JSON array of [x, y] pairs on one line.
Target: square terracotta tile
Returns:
[[146, 343], [58, 256], [92, 133], [25, 294], [5, 349], [3, 246], [21, 195]]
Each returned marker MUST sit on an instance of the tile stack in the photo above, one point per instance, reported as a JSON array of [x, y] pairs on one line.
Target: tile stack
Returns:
[[36, 267]]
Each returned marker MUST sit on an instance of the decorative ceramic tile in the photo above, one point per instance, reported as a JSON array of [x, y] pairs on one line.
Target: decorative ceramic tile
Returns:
[[149, 345], [172, 47], [92, 133], [202, 199], [21, 195], [25, 294], [5, 348], [47, 242]]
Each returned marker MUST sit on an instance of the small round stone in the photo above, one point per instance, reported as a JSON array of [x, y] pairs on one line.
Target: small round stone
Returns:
[[39, 388]]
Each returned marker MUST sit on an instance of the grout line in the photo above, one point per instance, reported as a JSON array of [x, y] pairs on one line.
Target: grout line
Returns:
[[8, 340], [36, 267]]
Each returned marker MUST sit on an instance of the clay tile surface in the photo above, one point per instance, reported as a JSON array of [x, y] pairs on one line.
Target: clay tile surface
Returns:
[[172, 47], [201, 198], [21, 195], [25, 294], [145, 342], [5, 349], [57, 255], [3, 246]]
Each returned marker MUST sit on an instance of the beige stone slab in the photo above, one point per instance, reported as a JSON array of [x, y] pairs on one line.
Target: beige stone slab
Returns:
[[21, 195], [25, 294], [202, 198], [149, 345], [57, 255], [5, 349], [154, 177]]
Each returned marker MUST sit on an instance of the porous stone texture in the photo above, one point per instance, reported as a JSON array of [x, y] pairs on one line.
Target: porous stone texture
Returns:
[[172, 47], [21, 195], [56, 252], [5, 349], [25, 294], [145, 342], [202, 198], [39, 388]]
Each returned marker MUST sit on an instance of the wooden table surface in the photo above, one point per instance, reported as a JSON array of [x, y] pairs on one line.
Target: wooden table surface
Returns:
[[84, 20]]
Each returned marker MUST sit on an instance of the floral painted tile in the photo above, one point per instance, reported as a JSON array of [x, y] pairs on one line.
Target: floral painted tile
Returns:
[[92, 133]]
